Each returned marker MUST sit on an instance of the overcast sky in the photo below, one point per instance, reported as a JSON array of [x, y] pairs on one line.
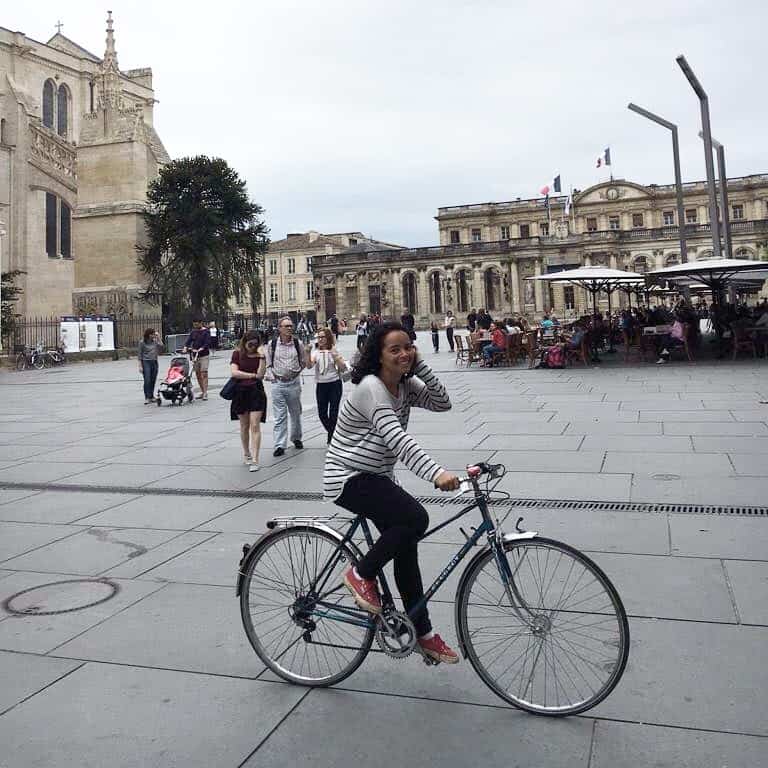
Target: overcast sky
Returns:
[[369, 116]]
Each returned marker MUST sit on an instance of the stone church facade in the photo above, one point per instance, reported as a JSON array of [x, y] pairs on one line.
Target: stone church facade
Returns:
[[488, 250], [77, 150]]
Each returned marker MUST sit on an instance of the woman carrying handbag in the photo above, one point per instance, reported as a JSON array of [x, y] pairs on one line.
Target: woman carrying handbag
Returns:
[[249, 400], [329, 367]]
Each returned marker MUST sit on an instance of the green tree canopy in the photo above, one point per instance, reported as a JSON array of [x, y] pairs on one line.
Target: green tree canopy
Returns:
[[11, 293], [204, 234]]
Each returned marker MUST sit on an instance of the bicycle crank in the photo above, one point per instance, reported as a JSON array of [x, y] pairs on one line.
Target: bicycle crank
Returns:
[[395, 634]]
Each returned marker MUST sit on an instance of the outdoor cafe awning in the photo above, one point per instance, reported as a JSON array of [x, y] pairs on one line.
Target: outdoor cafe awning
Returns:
[[593, 278], [715, 273]]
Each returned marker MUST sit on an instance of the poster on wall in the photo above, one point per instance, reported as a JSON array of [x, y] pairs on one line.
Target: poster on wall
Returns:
[[92, 333]]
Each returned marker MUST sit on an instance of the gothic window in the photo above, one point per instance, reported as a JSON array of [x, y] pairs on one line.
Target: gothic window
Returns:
[[50, 225], [409, 293], [462, 290], [91, 89], [435, 294], [62, 111], [49, 89], [65, 243], [2, 130]]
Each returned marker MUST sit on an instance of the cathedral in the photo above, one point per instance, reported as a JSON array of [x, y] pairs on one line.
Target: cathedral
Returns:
[[77, 151]]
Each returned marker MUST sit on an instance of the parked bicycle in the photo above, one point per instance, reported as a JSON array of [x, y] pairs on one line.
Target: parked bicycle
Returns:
[[541, 624], [30, 358]]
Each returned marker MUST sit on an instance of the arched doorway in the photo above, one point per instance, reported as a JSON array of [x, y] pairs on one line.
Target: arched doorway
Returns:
[[409, 293], [435, 294], [492, 282], [462, 290]]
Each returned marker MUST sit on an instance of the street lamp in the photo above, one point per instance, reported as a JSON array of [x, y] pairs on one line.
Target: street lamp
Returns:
[[707, 135], [2, 235], [720, 149], [678, 181]]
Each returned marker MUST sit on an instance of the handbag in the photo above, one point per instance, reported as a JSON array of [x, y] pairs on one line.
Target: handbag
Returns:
[[228, 390]]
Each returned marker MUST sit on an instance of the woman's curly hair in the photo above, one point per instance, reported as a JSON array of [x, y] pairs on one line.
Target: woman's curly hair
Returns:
[[369, 360]]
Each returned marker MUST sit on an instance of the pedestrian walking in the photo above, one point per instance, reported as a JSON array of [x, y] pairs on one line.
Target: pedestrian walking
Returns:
[[450, 325], [333, 324], [329, 366], [213, 331], [408, 321], [472, 321], [249, 404], [361, 330], [435, 331], [286, 359], [149, 348], [199, 341]]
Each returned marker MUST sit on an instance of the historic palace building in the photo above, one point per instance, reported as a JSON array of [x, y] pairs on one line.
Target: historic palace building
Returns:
[[488, 249], [77, 150]]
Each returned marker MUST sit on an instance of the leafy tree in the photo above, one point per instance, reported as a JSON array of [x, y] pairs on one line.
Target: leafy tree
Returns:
[[204, 235], [10, 292]]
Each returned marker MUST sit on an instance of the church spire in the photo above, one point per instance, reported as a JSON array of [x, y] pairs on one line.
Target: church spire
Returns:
[[111, 92]]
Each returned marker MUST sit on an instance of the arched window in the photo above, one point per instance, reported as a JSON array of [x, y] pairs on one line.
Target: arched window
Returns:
[[671, 260], [743, 253], [49, 90], [435, 294], [462, 290], [492, 280], [640, 264], [62, 111], [409, 293]]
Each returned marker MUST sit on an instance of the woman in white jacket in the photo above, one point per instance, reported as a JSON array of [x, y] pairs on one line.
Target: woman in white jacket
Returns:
[[328, 365]]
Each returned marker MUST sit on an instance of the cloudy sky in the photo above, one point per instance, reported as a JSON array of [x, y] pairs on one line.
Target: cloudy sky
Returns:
[[369, 116]]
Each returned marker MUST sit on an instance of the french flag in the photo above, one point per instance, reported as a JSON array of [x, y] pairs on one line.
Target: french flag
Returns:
[[605, 158]]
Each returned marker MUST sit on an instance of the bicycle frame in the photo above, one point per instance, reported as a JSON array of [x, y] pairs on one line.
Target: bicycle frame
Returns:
[[359, 617]]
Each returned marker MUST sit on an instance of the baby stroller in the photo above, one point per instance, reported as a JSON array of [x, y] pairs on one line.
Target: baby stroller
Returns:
[[177, 383]]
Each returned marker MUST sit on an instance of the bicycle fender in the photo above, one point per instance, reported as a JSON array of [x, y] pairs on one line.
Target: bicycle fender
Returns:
[[252, 549]]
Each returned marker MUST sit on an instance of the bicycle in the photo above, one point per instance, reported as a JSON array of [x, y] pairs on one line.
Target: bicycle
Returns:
[[547, 639], [30, 358]]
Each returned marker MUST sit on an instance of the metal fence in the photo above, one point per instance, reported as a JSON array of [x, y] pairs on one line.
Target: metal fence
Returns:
[[30, 331]]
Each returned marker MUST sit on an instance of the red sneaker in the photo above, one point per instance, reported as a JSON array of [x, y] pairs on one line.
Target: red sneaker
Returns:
[[436, 649], [364, 591]]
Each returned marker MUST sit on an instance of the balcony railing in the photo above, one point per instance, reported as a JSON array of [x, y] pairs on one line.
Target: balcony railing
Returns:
[[52, 153], [456, 251]]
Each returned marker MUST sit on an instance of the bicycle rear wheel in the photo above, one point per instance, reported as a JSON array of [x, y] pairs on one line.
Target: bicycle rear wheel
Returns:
[[21, 362], [38, 360], [565, 646], [291, 633]]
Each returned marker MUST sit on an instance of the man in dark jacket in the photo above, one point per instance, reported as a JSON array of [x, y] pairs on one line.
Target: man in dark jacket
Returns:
[[408, 321], [472, 321], [199, 340]]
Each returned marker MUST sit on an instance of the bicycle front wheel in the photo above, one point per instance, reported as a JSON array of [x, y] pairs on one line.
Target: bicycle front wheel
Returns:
[[300, 634], [38, 361], [560, 645]]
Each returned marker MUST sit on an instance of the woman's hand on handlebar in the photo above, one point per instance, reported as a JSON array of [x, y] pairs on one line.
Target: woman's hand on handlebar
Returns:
[[447, 481]]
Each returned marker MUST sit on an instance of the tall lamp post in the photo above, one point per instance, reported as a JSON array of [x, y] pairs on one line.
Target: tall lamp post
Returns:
[[2, 235], [723, 178], [707, 135], [678, 180]]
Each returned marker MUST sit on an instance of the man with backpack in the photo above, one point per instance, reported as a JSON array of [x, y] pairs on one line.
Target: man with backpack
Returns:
[[286, 359]]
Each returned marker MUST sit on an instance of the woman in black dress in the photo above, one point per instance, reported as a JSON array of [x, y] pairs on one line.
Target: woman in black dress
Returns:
[[249, 405]]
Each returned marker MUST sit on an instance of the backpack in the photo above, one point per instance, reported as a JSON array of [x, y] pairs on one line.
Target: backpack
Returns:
[[555, 357], [273, 347]]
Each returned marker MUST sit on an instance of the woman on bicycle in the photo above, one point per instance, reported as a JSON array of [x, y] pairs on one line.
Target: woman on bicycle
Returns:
[[369, 439]]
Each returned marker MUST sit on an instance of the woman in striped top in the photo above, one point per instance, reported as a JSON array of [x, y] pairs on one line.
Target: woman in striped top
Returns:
[[369, 439]]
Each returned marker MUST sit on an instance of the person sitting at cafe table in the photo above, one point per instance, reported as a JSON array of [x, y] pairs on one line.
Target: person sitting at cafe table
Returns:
[[498, 344]]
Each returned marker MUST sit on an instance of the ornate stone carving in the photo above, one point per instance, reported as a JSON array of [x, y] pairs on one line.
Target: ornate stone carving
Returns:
[[329, 281], [350, 279], [374, 278], [53, 153]]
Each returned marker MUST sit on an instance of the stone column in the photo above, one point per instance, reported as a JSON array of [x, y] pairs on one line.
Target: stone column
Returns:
[[477, 299], [422, 290], [514, 280], [539, 287], [394, 293], [362, 293]]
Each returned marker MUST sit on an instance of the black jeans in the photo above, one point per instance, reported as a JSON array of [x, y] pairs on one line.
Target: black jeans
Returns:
[[328, 396], [402, 521], [149, 369], [436, 341], [449, 334]]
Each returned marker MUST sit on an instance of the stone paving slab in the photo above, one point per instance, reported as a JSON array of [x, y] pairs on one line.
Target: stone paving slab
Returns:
[[716, 428], [135, 475], [17, 538], [749, 582], [23, 675], [74, 453], [449, 734], [608, 427], [688, 489], [629, 745], [527, 442], [230, 478], [749, 464], [213, 640], [688, 464], [692, 674], [14, 453], [144, 717], [738, 538], [550, 461], [638, 443], [8, 496], [40, 472], [41, 634], [164, 512], [90, 551], [751, 445], [61, 506]]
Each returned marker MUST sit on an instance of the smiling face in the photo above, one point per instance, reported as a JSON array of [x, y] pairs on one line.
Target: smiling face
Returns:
[[397, 354]]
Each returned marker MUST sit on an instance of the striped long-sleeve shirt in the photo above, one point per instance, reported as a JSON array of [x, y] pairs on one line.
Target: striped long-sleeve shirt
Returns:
[[370, 434]]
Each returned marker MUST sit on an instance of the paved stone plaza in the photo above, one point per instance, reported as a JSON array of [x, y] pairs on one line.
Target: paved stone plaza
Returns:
[[160, 673]]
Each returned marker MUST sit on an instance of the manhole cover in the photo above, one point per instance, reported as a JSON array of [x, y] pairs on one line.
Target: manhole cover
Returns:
[[61, 597], [666, 477]]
